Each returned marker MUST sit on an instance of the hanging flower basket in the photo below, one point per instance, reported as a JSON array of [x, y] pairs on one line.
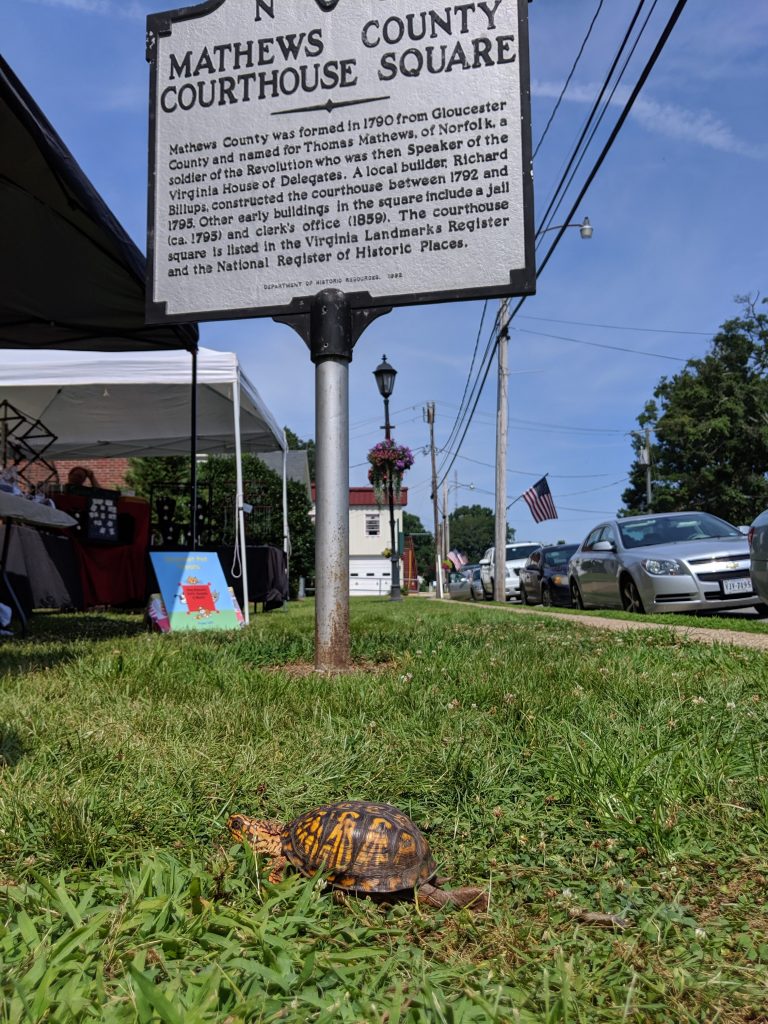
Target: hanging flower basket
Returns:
[[388, 460]]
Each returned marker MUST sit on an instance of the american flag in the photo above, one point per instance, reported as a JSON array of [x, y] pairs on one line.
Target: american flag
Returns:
[[457, 558], [539, 500]]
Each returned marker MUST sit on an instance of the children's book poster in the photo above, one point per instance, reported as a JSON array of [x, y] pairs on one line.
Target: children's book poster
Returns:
[[195, 591]]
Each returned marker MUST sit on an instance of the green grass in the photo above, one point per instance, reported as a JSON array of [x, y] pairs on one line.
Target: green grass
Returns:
[[560, 768]]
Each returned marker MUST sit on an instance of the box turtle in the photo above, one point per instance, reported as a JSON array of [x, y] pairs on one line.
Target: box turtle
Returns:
[[365, 848]]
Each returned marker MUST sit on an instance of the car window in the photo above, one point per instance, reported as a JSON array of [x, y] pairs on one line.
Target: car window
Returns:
[[609, 534], [593, 538], [558, 557], [517, 551], [687, 526], [534, 561]]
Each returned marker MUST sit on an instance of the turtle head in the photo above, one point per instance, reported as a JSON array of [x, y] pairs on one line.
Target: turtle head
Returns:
[[262, 835]]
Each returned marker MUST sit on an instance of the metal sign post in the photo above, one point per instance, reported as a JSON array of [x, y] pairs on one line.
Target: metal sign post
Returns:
[[322, 161], [331, 330]]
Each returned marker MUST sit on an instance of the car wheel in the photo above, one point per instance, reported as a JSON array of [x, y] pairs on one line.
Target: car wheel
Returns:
[[523, 595], [486, 595], [761, 610], [546, 597], [576, 599], [630, 596]]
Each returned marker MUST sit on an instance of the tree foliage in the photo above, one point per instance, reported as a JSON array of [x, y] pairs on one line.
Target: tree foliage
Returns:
[[262, 489], [423, 545], [711, 429], [295, 443], [473, 530]]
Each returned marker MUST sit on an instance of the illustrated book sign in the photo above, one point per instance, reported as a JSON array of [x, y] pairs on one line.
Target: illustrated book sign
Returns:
[[194, 591], [381, 148]]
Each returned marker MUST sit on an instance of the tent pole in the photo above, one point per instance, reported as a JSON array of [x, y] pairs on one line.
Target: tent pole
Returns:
[[239, 499], [286, 533], [193, 452]]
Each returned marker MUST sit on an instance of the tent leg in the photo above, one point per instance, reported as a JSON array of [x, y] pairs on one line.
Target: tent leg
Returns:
[[286, 532], [193, 452], [239, 500]]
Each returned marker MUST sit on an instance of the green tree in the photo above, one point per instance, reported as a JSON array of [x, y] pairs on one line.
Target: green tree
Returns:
[[262, 489], [423, 545], [710, 421], [295, 443], [473, 530]]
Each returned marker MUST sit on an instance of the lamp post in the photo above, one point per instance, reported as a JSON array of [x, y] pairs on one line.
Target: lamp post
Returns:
[[385, 381]]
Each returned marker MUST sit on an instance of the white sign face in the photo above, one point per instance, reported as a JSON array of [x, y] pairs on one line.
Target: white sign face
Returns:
[[381, 147]]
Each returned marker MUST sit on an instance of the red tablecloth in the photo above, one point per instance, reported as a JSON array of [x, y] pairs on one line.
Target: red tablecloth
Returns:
[[111, 574]]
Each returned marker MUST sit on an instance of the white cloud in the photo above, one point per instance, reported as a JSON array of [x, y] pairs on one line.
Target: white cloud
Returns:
[[668, 119]]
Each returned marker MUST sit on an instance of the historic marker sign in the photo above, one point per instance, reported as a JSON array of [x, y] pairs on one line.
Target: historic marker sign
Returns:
[[381, 147]]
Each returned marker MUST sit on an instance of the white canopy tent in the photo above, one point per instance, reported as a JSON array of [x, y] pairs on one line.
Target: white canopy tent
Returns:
[[121, 404]]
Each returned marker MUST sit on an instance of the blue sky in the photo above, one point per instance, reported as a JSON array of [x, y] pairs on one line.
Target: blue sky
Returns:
[[678, 210]]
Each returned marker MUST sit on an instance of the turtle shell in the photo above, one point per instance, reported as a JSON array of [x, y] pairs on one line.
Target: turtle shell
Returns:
[[372, 848]]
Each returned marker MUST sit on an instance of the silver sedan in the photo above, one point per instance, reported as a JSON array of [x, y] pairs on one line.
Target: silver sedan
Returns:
[[758, 546], [672, 562]]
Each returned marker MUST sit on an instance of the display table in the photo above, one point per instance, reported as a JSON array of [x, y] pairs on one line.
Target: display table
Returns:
[[267, 575], [112, 573], [27, 572]]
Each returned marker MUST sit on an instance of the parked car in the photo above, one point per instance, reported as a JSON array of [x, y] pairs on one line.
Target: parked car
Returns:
[[758, 551], [516, 557], [459, 586], [476, 583], [672, 562], [465, 585], [544, 577]]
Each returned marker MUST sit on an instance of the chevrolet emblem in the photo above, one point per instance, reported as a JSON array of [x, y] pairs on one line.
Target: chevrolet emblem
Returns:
[[731, 565]]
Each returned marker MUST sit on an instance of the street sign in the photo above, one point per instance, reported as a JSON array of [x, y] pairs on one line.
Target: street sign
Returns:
[[381, 149]]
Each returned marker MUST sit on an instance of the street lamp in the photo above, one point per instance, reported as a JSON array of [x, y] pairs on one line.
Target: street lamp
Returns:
[[585, 228], [385, 382]]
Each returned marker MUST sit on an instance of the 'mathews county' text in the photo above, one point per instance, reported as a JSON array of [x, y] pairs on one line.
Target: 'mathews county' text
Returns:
[[461, 37]]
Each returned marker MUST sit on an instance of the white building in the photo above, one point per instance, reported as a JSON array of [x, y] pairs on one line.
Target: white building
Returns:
[[370, 565]]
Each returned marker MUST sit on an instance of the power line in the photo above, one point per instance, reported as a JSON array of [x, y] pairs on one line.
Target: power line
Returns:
[[605, 109], [537, 473], [614, 327], [645, 73], [477, 390], [592, 114], [600, 344], [584, 42]]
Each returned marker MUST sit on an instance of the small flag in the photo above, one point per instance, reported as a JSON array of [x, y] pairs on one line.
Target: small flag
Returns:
[[539, 500], [457, 558]]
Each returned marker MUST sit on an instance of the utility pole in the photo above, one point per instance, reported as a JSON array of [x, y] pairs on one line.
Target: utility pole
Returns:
[[502, 425], [430, 412], [446, 521], [648, 495]]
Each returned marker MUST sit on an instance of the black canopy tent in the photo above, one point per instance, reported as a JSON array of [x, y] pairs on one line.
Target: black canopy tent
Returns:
[[70, 276]]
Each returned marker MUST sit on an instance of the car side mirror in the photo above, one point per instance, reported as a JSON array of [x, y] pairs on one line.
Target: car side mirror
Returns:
[[604, 545]]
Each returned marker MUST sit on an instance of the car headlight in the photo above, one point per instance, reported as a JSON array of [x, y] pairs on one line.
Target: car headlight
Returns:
[[560, 581], [663, 567]]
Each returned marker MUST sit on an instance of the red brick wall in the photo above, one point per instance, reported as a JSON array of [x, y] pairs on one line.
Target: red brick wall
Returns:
[[109, 473]]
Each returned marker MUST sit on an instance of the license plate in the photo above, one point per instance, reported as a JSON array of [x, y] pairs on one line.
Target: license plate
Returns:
[[738, 586]]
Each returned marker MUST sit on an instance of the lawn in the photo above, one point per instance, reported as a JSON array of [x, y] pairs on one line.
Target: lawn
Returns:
[[566, 771]]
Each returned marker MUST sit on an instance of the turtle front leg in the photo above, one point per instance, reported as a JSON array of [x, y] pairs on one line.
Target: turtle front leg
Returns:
[[277, 870]]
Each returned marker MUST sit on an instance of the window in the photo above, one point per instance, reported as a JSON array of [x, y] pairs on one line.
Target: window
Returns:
[[372, 524]]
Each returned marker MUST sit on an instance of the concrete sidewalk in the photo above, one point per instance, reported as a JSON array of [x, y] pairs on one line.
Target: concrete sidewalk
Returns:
[[700, 634]]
